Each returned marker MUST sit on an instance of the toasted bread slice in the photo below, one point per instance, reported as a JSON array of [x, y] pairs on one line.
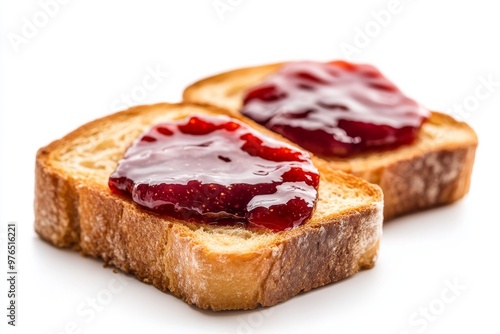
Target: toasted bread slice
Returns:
[[212, 267], [435, 170]]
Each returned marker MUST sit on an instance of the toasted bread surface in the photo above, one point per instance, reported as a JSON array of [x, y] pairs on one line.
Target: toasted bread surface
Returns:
[[434, 170], [206, 265]]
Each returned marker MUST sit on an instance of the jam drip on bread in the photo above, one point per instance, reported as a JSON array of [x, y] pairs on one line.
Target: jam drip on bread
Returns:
[[218, 170], [335, 109]]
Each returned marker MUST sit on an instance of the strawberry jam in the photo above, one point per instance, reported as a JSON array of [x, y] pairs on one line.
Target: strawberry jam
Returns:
[[335, 109], [218, 170]]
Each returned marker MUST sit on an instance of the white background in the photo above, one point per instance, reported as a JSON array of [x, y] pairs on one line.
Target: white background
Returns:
[[79, 64]]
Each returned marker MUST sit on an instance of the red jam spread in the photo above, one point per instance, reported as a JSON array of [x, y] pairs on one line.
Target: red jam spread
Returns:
[[220, 171], [335, 109]]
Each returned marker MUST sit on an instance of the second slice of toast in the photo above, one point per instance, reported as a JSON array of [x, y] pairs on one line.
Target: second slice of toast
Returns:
[[210, 266], [434, 170]]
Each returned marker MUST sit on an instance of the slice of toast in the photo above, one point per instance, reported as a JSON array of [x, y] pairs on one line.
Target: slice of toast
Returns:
[[210, 266], [434, 170]]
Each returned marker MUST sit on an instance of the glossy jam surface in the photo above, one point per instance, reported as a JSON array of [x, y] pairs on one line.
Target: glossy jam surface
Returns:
[[218, 170], [335, 109]]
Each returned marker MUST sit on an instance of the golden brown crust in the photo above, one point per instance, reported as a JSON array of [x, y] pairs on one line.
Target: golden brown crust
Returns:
[[204, 265], [435, 178], [56, 205], [436, 170], [433, 174]]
